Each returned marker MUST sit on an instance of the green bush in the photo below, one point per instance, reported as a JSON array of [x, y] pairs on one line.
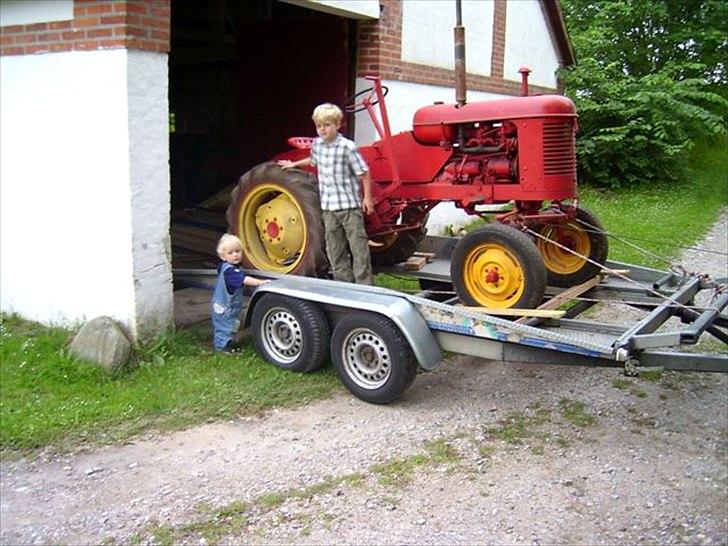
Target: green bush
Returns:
[[650, 83]]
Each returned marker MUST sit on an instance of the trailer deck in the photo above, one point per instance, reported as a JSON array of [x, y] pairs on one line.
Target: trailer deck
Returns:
[[563, 330]]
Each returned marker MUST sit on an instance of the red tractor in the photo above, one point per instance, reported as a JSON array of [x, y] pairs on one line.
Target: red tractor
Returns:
[[518, 152]]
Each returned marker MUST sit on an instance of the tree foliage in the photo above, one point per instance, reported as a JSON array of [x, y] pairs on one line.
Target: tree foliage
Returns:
[[650, 83]]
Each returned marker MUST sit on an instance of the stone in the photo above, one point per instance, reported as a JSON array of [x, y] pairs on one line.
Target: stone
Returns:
[[102, 340]]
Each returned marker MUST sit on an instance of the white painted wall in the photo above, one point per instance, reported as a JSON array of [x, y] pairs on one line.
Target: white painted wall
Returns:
[[83, 139], [354, 9], [402, 101], [427, 33], [528, 43], [25, 12]]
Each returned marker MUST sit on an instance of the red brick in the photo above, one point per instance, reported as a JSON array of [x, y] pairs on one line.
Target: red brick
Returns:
[[161, 35], [6, 40], [99, 7], [162, 12], [60, 25], [137, 31], [65, 46], [36, 27], [98, 33], [136, 7], [33, 49], [113, 20], [12, 29], [86, 22], [12, 51], [26, 39], [114, 43], [50, 37]]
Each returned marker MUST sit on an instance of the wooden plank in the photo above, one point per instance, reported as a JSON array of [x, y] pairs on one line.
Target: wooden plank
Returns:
[[624, 272], [569, 294], [559, 299], [415, 263], [512, 312], [429, 256]]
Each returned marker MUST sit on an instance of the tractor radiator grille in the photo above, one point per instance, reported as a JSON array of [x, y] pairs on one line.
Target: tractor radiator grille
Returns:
[[559, 154]]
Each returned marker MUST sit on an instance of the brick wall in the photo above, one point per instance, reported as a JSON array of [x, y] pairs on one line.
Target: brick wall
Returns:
[[380, 53], [96, 24]]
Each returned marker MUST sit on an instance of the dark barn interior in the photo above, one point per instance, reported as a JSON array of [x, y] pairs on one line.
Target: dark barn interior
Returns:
[[243, 78]]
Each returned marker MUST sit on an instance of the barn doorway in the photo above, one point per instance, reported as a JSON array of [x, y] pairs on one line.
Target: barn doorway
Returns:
[[243, 77]]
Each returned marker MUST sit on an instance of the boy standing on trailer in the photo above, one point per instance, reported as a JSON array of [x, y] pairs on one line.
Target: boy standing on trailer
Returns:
[[227, 298], [341, 168]]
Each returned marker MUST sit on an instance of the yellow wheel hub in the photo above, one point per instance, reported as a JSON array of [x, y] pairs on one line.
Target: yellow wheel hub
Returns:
[[272, 228], [493, 276], [557, 259]]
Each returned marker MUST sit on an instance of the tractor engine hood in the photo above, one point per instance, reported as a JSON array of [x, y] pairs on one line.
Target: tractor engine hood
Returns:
[[496, 110], [432, 124]]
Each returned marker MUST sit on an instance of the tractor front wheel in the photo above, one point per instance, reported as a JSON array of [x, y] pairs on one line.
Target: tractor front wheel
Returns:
[[276, 215], [567, 264], [498, 267]]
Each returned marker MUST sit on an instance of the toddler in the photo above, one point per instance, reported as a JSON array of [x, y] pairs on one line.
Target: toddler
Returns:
[[227, 299]]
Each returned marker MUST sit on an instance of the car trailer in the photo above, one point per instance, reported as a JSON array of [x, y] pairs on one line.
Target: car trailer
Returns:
[[379, 338]]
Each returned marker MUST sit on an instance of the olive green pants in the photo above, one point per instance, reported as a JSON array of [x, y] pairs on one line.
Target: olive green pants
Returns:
[[346, 245]]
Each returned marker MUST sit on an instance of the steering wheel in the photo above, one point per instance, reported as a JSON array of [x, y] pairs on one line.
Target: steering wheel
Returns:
[[352, 106]]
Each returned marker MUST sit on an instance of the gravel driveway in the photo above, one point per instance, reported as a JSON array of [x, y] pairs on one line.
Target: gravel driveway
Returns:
[[476, 452]]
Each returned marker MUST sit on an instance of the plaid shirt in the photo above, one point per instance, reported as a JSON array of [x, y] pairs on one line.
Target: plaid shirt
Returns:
[[339, 165]]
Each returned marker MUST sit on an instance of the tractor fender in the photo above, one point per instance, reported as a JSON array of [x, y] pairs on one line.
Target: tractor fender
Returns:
[[334, 295]]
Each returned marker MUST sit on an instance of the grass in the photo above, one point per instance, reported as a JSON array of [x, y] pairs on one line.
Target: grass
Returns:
[[664, 218], [48, 397]]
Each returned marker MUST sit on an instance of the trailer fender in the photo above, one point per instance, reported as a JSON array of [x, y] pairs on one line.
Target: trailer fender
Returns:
[[358, 298]]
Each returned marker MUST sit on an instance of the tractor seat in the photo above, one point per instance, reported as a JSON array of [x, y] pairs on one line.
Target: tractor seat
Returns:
[[300, 142]]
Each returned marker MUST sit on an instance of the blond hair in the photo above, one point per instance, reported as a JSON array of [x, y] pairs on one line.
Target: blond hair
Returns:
[[228, 241], [327, 112]]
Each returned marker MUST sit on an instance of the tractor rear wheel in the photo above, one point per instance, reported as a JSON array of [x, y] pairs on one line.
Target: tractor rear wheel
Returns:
[[277, 216], [498, 267], [397, 247], [585, 237]]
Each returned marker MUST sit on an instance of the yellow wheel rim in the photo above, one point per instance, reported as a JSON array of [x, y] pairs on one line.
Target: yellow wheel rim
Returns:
[[493, 276], [272, 227], [561, 261]]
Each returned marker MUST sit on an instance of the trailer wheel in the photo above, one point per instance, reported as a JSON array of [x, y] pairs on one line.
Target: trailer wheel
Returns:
[[277, 216], [372, 357], [498, 267], [586, 237], [290, 333]]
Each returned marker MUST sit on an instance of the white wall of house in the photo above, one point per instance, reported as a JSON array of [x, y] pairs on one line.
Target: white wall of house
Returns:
[[528, 43], [84, 188], [427, 33]]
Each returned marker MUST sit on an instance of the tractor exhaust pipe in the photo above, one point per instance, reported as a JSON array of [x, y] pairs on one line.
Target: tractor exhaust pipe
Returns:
[[524, 71], [460, 85]]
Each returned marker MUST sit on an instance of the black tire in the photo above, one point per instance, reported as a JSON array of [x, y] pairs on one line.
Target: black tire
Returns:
[[586, 236], [372, 357], [289, 333], [400, 246], [498, 266], [293, 243]]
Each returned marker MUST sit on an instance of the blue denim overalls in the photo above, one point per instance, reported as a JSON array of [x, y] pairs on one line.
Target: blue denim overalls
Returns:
[[226, 309]]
